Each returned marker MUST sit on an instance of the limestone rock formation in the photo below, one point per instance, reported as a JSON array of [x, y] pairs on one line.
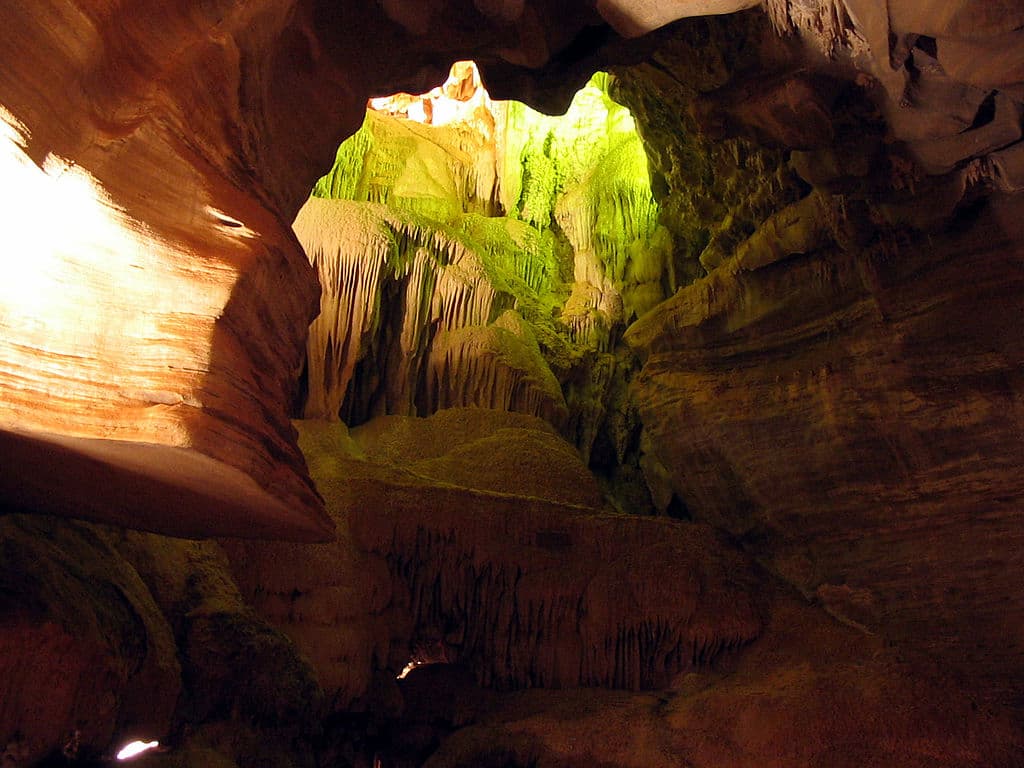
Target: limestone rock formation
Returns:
[[516, 574], [140, 337], [833, 457], [838, 390], [235, 668], [824, 278], [416, 312]]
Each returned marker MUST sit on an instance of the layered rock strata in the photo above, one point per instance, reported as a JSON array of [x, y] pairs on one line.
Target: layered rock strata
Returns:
[[517, 575], [839, 390], [807, 407], [140, 329], [153, 294]]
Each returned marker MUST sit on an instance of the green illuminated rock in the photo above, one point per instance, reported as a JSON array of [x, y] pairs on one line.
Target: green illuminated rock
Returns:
[[427, 235]]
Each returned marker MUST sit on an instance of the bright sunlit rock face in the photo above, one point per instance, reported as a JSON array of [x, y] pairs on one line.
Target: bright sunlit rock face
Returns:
[[81, 279], [460, 99], [505, 244], [110, 337]]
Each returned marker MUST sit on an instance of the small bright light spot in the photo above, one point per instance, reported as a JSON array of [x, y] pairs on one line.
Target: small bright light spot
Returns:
[[237, 227], [135, 748], [409, 668]]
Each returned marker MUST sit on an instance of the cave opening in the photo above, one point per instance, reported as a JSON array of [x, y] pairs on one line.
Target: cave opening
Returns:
[[478, 253], [490, 207]]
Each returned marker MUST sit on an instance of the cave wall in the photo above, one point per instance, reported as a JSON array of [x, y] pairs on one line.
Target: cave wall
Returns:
[[841, 390], [837, 388], [175, 144]]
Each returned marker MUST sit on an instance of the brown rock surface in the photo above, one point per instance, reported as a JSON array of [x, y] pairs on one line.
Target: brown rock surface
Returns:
[[149, 317], [235, 668], [855, 418], [85, 653], [519, 583]]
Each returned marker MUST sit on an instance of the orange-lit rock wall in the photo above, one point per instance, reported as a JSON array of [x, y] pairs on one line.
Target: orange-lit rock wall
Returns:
[[154, 300]]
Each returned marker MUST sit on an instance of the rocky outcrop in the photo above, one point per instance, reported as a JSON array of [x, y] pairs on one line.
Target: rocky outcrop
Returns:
[[141, 339], [809, 693], [838, 390], [235, 668], [853, 418], [516, 576], [713, 187]]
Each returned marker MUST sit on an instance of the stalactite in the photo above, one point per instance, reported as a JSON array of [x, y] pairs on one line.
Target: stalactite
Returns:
[[439, 289], [609, 615], [498, 366], [826, 22]]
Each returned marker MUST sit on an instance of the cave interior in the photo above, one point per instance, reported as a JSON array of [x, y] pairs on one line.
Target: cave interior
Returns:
[[512, 383]]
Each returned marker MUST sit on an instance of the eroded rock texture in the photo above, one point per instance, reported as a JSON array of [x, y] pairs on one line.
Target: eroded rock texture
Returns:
[[412, 319], [143, 332], [154, 298], [492, 551], [841, 391], [854, 453]]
